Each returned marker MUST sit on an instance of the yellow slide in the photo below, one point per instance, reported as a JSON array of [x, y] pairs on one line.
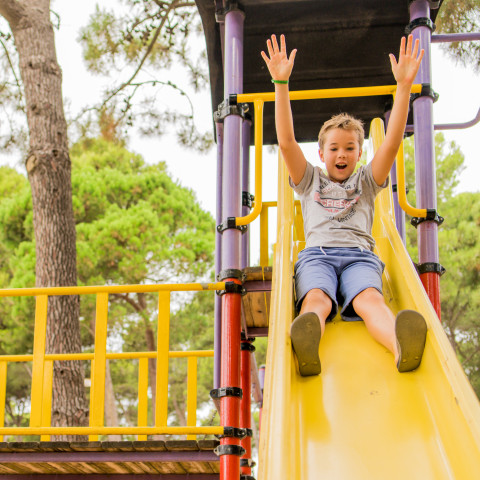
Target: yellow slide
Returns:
[[361, 419]]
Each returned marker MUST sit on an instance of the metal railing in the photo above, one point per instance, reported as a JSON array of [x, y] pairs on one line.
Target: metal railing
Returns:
[[264, 214], [258, 100], [42, 367]]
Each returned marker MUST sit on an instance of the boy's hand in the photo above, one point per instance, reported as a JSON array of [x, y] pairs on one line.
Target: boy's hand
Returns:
[[405, 70], [279, 65]]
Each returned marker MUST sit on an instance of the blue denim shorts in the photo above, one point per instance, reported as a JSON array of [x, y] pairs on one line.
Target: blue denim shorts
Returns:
[[342, 273]]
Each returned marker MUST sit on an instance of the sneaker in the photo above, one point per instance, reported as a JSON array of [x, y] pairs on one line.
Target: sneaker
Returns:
[[411, 332], [305, 333]]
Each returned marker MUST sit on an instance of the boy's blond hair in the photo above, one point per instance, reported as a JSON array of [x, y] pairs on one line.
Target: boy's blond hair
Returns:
[[345, 122]]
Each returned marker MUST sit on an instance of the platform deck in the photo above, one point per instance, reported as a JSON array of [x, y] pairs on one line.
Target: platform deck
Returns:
[[161, 459], [256, 303]]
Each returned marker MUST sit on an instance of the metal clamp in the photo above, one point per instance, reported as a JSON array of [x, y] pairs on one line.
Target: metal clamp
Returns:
[[394, 188], [229, 6], [229, 450], [233, 432], [247, 346], [247, 199], [230, 107], [420, 22], [432, 216], [231, 273], [427, 91], [232, 287], [430, 267], [247, 462], [217, 393], [229, 223]]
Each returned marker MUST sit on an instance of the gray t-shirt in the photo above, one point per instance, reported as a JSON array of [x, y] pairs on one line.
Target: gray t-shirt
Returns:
[[338, 214]]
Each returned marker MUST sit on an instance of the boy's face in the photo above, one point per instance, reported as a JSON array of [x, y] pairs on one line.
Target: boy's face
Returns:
[[341, 152]]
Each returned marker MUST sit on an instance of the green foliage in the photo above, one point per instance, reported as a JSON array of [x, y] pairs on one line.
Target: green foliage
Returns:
[[461, 16], [13, 130], [135, 225], [459, 245], [459, 248], [192, 328]]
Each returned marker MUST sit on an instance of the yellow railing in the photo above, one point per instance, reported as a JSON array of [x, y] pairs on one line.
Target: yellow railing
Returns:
[[42, 367], [258, 99], [264, 229], [377, 133]]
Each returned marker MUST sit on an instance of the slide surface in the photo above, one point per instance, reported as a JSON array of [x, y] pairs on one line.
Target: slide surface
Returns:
[[361, 419]]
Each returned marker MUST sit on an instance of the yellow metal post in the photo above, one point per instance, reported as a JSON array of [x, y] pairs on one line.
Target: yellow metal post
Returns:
[[47, 398], [3, 392], [142, 414], [192, 395], [163, 343], [97, 401], [264, 236], [39, 339]]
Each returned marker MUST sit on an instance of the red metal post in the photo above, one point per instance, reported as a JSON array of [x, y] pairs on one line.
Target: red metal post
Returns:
[[230, 377], [431, 283]]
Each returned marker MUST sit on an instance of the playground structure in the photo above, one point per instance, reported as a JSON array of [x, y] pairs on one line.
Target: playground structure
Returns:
[[357, 419]]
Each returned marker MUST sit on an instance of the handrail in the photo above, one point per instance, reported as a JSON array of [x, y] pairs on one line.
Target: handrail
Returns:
[[327, 93], [377, 132], [63, 357], [42, 368], [257, 206], [452, 126], [258, 100], [83, 290], [264, 230]]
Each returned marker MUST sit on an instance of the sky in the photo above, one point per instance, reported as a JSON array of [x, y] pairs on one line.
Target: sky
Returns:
[[457, 86]]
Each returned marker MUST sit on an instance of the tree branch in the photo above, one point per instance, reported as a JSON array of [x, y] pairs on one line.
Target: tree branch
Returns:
[[12, 10], [129, 300], [172, 6], [11, 65]]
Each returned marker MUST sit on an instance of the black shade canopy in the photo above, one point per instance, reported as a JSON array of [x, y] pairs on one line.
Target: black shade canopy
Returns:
[[341, 43]]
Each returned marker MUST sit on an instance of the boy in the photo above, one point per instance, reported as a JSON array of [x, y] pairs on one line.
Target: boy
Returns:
[[338, 264]]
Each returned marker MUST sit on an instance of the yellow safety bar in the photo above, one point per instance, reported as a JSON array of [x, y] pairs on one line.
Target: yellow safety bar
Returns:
[[257, 206], [258, 100], [42, 368], [402, 191], [264, 229], [377, 132], [164, 287]]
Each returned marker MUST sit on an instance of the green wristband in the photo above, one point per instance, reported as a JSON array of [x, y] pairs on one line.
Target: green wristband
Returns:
[[283, 82]]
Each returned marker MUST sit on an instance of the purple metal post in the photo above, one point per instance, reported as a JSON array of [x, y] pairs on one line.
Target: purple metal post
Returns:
[[217, 339], [231, 187], [231, 241], [427, 232], [456, 37], [399, 213], [247, 128]]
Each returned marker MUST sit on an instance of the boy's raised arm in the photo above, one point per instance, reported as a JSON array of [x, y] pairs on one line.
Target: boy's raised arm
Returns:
[[404, 72], [280, 67]]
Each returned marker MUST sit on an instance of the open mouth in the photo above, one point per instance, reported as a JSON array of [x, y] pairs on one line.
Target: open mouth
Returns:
[[341, 166]]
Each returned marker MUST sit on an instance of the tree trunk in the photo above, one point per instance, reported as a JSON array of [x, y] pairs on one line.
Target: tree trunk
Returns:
[[49, 172]]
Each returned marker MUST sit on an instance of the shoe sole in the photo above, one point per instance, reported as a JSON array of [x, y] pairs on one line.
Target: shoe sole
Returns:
[[411, 332], [305, 334]]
